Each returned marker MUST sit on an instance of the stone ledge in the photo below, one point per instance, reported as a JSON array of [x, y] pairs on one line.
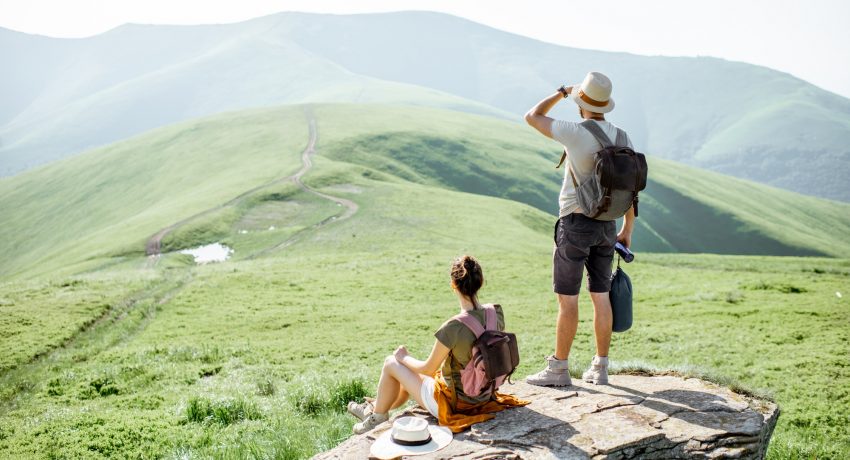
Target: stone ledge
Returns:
[[633, 417]]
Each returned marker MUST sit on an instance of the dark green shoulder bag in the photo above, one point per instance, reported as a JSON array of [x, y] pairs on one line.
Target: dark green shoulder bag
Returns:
[[621, 299]]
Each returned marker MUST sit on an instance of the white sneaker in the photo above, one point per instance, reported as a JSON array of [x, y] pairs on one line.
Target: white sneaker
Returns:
[[598, 372], [374, 419], [361, 411], [556, 374]]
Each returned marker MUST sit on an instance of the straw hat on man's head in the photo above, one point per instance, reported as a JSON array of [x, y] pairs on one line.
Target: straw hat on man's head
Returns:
[[594, 93]]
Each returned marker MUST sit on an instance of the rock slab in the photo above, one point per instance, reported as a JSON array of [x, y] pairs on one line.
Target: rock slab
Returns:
[[658, 417]]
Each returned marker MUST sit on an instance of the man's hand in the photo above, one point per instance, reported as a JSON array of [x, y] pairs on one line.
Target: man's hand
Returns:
[[625, 238], [400, 353]]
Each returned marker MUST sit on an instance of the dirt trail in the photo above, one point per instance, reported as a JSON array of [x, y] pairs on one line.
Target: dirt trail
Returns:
[[350, 207], [153, 247], [307, 164]]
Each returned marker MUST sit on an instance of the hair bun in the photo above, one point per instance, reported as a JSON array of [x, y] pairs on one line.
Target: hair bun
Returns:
[[467, 276]]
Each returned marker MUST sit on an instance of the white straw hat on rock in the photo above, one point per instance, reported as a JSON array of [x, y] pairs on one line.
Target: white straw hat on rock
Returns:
[[594, 93], [410, 436]]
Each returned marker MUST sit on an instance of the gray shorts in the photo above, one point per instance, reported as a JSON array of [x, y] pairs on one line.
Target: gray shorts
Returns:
[[583, 242]]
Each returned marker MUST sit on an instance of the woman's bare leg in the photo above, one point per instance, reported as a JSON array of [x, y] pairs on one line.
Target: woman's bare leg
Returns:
[[403, 396], [395, 379]]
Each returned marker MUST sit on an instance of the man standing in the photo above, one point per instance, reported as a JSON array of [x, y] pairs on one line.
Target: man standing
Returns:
[[581, 241]]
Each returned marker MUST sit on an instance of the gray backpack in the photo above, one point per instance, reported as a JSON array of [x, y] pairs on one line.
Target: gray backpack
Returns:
[[619, 174]]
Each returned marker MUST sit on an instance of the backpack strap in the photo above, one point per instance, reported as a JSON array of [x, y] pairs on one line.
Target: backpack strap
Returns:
[[622, 140], [469, 321], [490, 319], [569, 168], [561, 161], [600, 136], [597, 132]]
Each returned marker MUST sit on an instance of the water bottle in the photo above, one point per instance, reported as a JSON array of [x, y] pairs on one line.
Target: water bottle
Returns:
[[624, 252]]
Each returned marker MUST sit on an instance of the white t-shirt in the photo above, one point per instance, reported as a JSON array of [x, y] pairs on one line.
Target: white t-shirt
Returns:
[[581, 147]]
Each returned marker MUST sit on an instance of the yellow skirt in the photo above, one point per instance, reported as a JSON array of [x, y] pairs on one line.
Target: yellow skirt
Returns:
[[459, 415]]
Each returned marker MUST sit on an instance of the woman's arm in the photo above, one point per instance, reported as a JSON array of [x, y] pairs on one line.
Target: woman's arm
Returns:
[[428, 367]]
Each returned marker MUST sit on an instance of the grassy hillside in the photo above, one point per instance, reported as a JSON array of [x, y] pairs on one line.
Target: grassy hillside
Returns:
[[102, 205], [255, 358], [683, 209], [736, 118], [106, 202], [121, 355]]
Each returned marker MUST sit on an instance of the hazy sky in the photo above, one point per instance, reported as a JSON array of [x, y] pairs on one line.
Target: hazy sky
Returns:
[[809, 39]]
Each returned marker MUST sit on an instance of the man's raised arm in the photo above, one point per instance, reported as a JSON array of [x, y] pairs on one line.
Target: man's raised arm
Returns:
[[536, 117]]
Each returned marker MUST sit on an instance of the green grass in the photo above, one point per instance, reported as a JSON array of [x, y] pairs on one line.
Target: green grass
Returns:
[[683, 209], [274, 215], [283, 319], [772, 217], [36, 316], [228, 412], [107, 202], [98, 208], [256, 357]]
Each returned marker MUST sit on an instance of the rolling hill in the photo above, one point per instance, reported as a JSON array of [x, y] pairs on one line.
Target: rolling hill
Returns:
[[101, 206], [730, 117], [126, 82], [108, 353]]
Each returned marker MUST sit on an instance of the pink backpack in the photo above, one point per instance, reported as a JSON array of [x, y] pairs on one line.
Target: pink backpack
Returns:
[[495, 354]]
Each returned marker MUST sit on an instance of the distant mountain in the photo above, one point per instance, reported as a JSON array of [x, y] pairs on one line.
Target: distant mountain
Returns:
[[63, 96], [91, 92], [90, 209]]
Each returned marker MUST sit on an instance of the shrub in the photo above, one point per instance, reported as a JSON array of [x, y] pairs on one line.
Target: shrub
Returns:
[[344, 392], [266, 387], [55, 388], [734, 297], [790, 289], [310, 403], [784, 288], [209, 371], [314, 399], [103, 386], [226, 412], [23, 385]]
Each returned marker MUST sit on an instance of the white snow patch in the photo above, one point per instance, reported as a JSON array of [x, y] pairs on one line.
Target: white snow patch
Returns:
[[215, 252]]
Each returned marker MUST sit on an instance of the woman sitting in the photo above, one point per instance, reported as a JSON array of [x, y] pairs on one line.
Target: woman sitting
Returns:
[[440, 393]]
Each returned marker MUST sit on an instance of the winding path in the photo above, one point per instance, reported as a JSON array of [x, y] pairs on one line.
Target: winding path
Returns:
[[307, 163], [350, 207], [153, 247]]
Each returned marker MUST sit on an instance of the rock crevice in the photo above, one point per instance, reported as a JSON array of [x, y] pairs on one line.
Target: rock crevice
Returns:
[[633, 417]]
